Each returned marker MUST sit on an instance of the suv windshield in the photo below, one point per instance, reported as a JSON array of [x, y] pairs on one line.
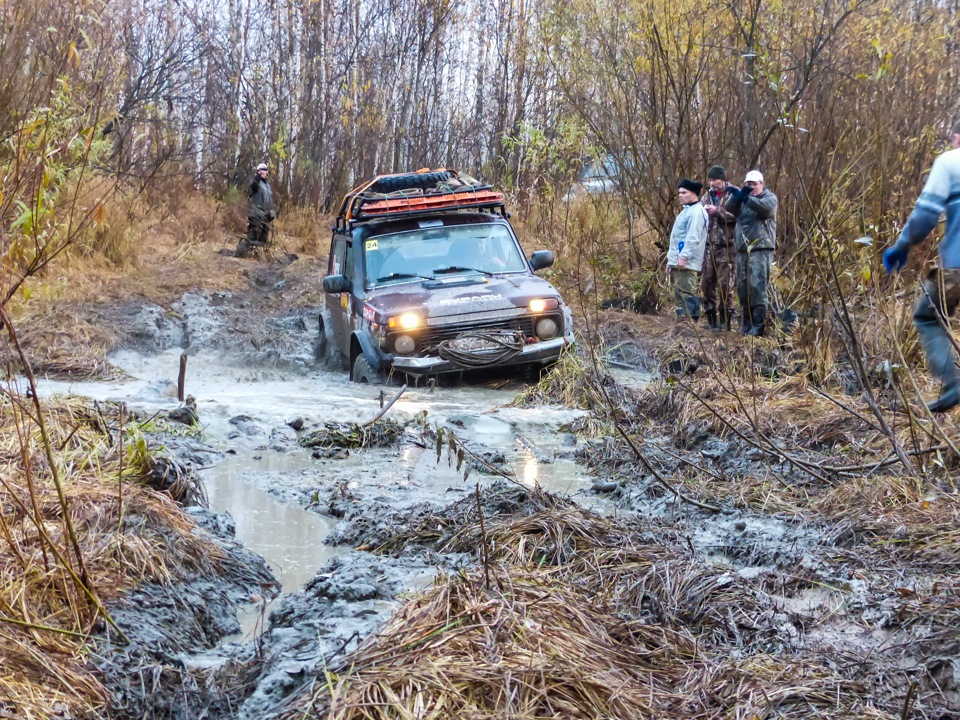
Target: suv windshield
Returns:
[[486, 248]]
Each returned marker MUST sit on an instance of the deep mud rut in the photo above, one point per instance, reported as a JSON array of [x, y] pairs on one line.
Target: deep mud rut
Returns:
[[240, 645], [235, 646]]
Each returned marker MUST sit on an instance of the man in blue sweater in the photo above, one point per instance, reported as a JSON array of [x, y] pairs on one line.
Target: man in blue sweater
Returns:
[[941, 290]]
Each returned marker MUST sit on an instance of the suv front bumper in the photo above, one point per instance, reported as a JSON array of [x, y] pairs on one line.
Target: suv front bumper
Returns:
[[538, 352]]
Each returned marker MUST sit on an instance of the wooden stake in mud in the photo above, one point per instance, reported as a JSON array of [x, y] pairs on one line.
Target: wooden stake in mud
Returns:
[[483, 540], [389, 405], [182, 376]]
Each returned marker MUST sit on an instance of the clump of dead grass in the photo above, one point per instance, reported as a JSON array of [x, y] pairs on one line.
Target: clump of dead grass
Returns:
[[908, 516], [575, 616], [125, 532], [382, 433], [575, 381], [76, 350]]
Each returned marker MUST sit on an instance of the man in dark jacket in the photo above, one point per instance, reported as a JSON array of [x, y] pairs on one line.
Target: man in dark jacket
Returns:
[[719, 274], [755, 208], [260, 213]]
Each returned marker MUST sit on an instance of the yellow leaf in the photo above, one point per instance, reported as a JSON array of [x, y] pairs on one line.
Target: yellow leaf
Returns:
[[73, 55], [26, 293]]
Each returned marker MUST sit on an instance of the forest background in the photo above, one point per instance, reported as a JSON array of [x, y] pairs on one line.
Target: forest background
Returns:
[[110, 107]]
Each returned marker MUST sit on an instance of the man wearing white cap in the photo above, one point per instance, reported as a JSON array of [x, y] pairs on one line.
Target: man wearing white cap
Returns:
[[259, 214], [755, 208]]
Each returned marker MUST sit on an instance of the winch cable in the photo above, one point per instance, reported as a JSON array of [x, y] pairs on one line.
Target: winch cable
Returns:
[[505, 346]]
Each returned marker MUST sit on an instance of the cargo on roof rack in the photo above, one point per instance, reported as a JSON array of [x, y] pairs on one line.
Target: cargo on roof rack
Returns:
[[418, 193]]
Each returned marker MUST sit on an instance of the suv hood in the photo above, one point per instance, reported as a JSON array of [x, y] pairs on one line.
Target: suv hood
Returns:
[[459, 295]]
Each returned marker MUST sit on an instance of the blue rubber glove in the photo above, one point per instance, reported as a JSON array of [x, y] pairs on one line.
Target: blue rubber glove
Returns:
[[895, 256]]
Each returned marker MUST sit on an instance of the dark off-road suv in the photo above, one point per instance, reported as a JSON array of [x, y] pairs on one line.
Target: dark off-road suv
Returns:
[[426, 276]]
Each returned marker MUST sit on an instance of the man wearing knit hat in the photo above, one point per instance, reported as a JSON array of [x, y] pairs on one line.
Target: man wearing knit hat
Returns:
[[687, 243], [719, 270], [755, 208]]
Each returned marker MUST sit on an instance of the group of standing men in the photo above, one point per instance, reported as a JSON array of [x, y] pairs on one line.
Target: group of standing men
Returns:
[[729, 236], [736, 228]]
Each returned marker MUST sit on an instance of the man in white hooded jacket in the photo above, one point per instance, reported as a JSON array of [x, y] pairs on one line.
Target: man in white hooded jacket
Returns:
[[688, 241]]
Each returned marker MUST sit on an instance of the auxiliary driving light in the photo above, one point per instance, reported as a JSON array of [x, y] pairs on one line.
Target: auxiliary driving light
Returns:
[[546, 328], [538, 305], [404, 345], [407, 321]]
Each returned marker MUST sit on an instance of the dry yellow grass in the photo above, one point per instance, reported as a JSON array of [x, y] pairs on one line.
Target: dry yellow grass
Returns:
[[122, 532]]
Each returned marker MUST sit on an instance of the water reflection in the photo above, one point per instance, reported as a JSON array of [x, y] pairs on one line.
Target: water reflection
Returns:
[[288, 537]]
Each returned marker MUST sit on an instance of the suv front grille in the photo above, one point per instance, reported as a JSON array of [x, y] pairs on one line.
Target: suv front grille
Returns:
[[435, 335]]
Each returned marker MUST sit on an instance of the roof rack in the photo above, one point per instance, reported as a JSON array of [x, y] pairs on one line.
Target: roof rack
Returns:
[[418, 193]]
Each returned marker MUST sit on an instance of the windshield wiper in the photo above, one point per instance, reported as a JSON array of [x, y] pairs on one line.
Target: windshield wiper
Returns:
[[460, 268], [398, 276]]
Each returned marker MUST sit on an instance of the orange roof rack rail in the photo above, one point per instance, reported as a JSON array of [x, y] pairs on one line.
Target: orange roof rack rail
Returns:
[[417, 193]]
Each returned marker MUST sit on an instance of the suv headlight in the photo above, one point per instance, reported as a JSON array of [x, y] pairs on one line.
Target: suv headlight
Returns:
[[538, 305], [407, 321]]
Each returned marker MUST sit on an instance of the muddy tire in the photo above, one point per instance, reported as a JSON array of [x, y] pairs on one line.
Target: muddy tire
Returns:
[[363, 372], [325, 352]]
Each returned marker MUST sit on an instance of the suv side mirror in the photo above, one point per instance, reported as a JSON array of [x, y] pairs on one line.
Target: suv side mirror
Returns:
[[541, 259], [336, 284]]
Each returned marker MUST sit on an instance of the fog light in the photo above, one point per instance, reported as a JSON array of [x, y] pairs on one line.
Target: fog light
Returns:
[[404, 345], [407, 321], [546, 328]]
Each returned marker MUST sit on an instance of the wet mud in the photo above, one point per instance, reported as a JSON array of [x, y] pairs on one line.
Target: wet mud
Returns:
[[324, 536]]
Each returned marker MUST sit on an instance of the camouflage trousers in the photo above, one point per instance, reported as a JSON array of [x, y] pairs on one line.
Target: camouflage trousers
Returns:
[[257, 237], [753, 278], [938, 301], [686, 292], [719, 279], [258, 232]]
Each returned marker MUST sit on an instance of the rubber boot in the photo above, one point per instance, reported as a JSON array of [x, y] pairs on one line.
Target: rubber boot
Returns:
[[726, 318], [942, 362], [747, 323], [759, 315], [693, 307], [712, 320]]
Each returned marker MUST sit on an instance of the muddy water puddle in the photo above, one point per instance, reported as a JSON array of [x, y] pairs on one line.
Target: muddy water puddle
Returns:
[[288, 537], [265, 479]]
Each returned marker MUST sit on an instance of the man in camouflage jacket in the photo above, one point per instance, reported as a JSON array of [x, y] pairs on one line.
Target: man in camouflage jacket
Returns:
[[755, 208], [719, 268]]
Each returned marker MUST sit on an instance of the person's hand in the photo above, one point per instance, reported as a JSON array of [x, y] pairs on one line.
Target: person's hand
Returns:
[[273, 216], [895, 256], [681, 263], [711, 209]]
